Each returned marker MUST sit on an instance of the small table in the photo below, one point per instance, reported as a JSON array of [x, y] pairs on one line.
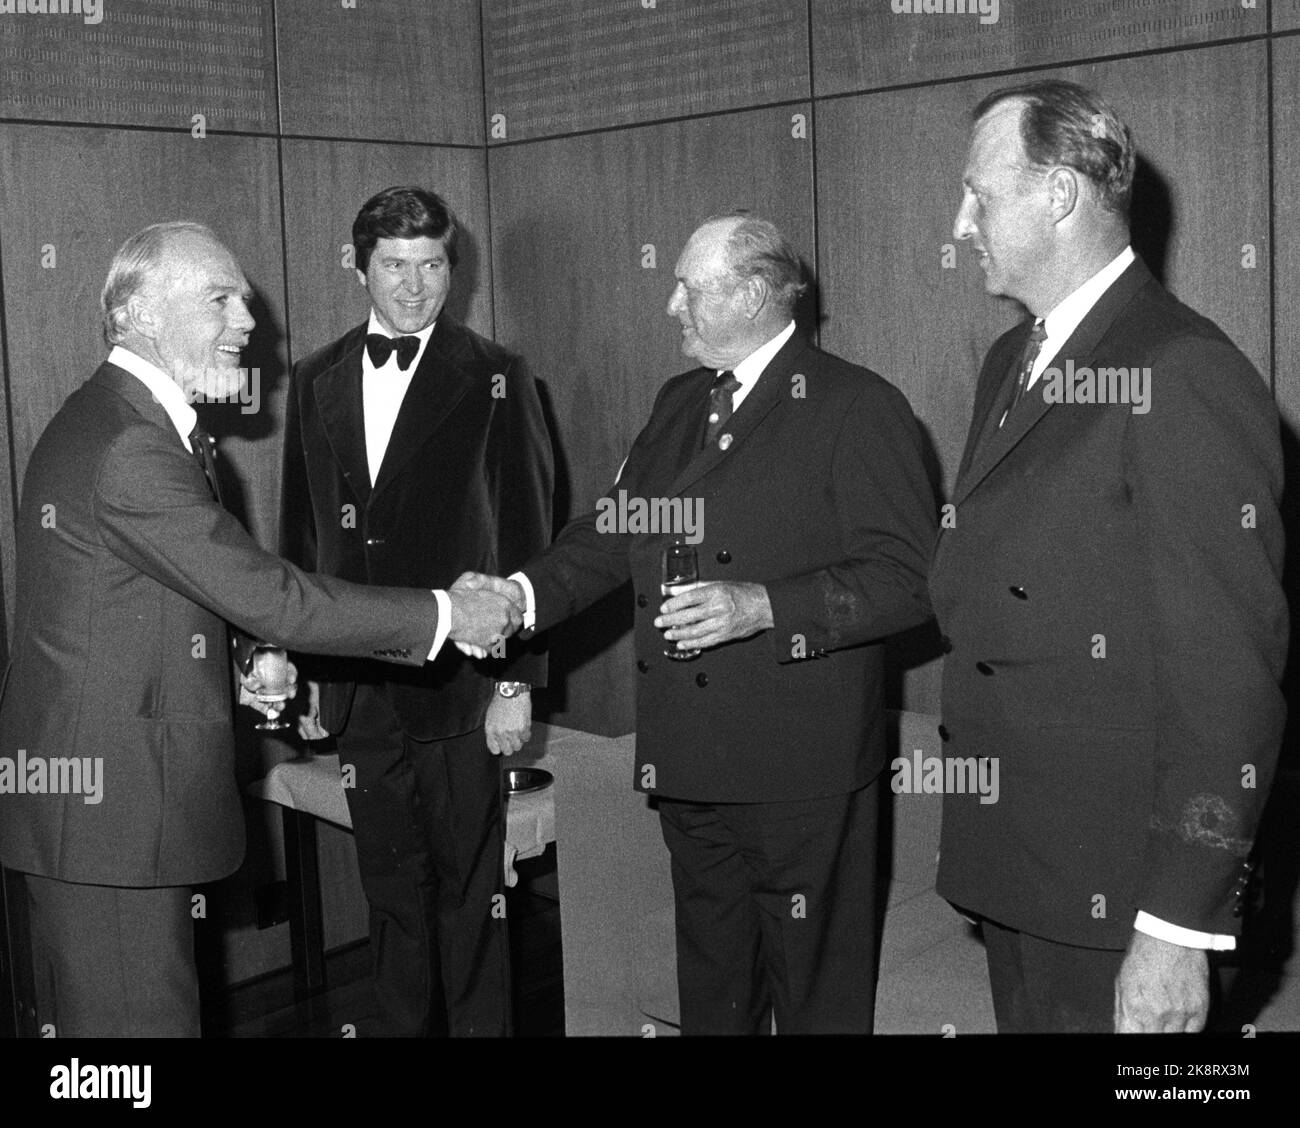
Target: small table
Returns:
[[310, 787]]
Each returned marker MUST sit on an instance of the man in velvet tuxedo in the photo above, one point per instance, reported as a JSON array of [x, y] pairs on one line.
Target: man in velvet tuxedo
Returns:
[[414, 450], [764, 751], [116, 714], [1109, 591]]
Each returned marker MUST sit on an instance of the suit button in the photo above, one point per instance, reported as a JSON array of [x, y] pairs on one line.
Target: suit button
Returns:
[[1236, 910], [945, 644], [943, 734], [642, 665], [641, 600], [724, 557], [701, 680], [984, 668], [1018, 591], [372, 541]]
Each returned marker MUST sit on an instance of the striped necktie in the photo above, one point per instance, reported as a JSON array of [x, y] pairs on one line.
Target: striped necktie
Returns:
[[202, 444], [1033, 347], [720, 407]]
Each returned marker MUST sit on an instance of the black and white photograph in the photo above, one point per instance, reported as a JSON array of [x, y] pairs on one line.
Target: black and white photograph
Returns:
[[596, 522]]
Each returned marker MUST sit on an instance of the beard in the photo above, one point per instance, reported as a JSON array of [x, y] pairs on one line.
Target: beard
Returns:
[[215, 383]]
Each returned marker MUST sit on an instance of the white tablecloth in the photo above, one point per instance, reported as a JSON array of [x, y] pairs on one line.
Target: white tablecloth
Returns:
[[313, 784]]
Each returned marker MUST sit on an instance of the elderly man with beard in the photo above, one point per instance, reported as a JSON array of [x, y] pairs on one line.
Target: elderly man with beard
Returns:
[[129, 570]]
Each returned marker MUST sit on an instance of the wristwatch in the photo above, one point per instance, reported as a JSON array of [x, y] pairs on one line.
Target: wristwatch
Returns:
[[512, 689]]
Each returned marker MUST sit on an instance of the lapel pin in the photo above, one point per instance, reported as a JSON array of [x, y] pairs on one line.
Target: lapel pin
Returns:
[[724, 442]]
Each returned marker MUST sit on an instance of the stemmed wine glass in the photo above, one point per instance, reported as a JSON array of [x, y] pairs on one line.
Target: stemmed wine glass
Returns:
[[270, 665]]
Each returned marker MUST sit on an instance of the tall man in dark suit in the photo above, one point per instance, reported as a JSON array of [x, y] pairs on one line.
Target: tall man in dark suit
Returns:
[[763, 752], [117, 785], [414, 450], [1109, 592]]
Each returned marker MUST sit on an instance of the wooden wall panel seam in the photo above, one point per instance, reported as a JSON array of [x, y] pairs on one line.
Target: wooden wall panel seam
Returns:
[[1016, 72], [622, 126], [1271, 213], [9, 467]]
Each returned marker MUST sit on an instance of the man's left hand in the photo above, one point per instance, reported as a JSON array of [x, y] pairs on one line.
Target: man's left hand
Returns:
[[710, 614], [1162, 988], [509, 723]]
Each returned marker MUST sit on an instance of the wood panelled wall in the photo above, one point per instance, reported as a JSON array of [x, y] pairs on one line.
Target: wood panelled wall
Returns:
[[581, 141]]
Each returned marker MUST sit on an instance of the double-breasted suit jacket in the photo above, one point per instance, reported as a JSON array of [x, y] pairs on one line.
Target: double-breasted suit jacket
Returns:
[[821, 496], [1111, 602]]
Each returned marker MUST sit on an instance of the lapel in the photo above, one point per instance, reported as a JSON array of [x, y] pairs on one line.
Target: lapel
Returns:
[[136, 394], [337, 391], [439, 384], [772, 386], [994, 445]]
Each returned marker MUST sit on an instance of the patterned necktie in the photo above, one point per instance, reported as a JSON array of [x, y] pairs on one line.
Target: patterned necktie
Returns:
[[201, 444], [1033, 347], [381, 348], [720, 409]]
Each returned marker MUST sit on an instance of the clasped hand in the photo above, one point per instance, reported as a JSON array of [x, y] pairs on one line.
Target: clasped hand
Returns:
[[485, 609]]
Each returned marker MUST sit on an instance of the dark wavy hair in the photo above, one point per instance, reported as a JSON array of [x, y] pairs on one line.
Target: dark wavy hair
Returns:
[[404, 212]]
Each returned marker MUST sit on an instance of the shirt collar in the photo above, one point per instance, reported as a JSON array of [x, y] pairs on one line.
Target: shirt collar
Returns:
[[751, 368], [422, 336], [1065, 318], [165, 390]]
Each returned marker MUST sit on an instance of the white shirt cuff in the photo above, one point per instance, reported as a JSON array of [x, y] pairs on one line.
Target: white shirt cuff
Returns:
[[444, 621], [1187, 937], [530, 601]]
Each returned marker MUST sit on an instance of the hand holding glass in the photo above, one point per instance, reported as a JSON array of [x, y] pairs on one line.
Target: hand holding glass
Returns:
[[270, 666], [681, 570]]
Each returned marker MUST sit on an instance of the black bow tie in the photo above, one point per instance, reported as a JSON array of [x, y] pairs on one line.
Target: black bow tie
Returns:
[[381, 348]]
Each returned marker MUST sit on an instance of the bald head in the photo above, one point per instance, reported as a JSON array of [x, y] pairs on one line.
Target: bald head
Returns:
[[737, 283]]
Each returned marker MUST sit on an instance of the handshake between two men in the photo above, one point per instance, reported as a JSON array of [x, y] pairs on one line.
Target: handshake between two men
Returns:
[[485, 610], [697, 618]]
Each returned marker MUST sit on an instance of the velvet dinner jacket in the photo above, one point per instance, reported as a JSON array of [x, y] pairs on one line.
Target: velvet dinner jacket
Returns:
[[128, 571], [1116, 629], [822, 496], [465, 484]]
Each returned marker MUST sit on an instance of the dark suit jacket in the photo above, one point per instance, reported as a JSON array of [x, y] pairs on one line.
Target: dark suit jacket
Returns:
[[465, 483], [127, 568], [1082, 525], [823, 497]]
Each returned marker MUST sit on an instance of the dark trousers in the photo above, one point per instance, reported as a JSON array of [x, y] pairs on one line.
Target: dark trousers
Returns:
[[428, 819], [1044, 987], [775, 907], [113, 962]]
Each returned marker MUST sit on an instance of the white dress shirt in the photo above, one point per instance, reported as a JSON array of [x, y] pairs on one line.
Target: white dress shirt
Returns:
[[162, 387], [1065, 318], [382, 392], [752, 367]]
